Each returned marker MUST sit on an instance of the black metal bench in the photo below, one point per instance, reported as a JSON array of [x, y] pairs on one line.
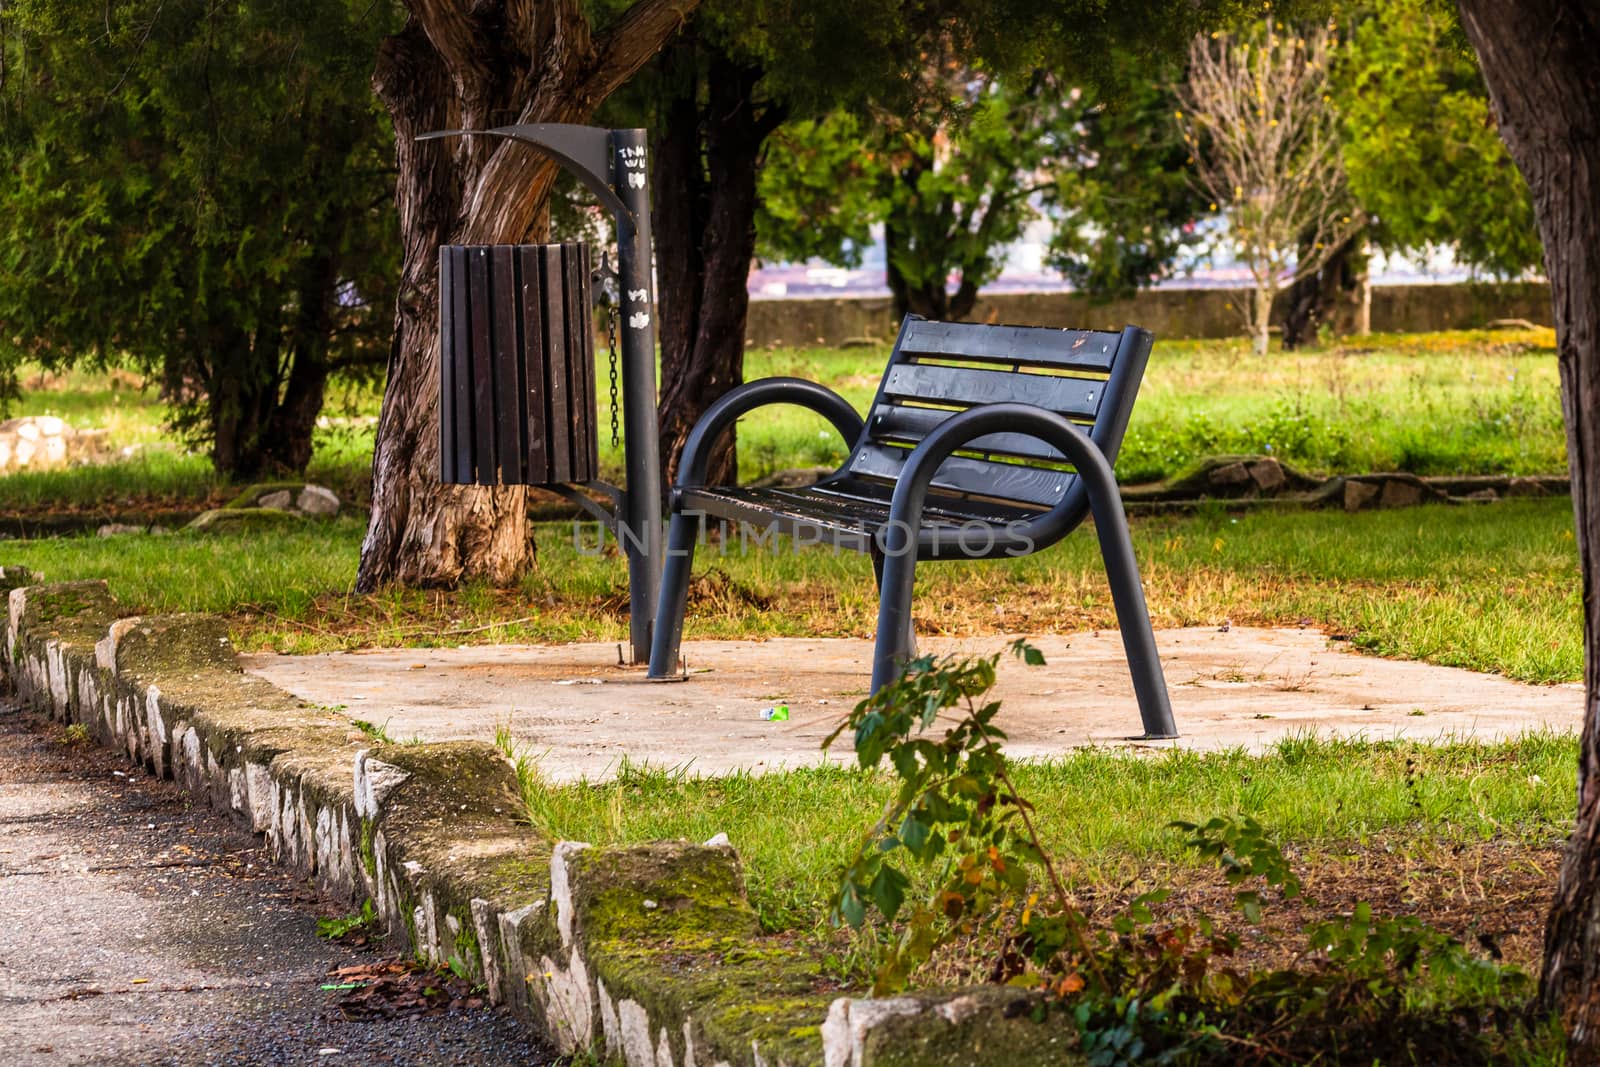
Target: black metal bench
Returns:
[[983, 442]]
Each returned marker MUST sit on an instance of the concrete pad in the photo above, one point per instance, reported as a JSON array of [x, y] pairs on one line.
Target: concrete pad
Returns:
[[580, 713]]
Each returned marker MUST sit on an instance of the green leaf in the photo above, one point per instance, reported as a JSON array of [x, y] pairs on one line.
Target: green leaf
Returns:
[[888, 891]]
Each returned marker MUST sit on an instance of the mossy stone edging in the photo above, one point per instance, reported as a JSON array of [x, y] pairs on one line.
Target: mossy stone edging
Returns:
[[1254, 480], [649, 956]]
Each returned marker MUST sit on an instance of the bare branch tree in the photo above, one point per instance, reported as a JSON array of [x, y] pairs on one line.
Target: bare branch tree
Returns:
[[1258, 117]]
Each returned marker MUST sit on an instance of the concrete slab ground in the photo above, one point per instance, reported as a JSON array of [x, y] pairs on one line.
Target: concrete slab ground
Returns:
[[581, 714]]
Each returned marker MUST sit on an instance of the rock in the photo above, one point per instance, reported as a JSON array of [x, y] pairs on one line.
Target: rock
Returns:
[[1399, 494], [1268, 475], [1231, 474], [243, 520], [252, 495], [41, 441], [1358, 495], [1524, 487], [1483, 494], [318, 502], [116, 529], [279, 500]]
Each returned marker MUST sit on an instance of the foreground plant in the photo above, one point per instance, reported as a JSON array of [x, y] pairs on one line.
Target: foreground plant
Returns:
[[955, 867], [957, 812]]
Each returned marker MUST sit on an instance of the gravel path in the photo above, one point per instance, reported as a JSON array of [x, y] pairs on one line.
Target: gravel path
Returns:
[[139, 929]]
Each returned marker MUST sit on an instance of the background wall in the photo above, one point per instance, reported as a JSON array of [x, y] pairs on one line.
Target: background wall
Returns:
[[1166, 312]]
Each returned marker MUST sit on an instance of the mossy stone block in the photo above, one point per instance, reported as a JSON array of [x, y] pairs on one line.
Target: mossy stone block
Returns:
[[245, 520]]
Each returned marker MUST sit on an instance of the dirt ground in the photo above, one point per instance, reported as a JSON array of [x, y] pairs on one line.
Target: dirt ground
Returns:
[[581, 713]]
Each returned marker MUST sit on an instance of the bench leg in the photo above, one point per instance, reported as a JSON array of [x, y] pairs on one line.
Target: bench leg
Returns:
[[1127, 595], [682, 534], [895, 644], [908, 641]]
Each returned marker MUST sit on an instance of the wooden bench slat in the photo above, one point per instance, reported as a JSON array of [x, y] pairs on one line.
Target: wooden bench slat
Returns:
[[998, 481], [1039, 345], [579, 403], [909, 425], [1076, 398]]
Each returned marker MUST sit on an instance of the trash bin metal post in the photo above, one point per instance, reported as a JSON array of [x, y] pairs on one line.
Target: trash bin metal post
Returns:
[[640, 529]]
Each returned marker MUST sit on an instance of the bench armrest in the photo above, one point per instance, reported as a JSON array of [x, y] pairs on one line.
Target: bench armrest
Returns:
[[760, 393], [1094, 472]]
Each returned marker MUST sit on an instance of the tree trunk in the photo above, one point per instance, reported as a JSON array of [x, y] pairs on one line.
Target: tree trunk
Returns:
[[1261, 318], [460, 64], [1328, 296], [1538, 58], [1363, 324], [707, 160], [929, 297]]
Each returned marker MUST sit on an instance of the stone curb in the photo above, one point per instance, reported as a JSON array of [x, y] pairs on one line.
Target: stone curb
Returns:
[[1264, 481], [649, 956]]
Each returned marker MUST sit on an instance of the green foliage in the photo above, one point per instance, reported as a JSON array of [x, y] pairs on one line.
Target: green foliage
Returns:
[[204, 190], [1420, 144], [956, 813], [952, 180], [1385, 956], [1143, 990], [1244, 852], [343, 926], [1125, 204], [820, 191]]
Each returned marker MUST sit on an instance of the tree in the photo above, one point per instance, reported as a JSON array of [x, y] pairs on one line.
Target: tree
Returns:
[[1423, 157], [1125, 204], [1255, 108], [473, 64], [960, 176], [951, 178], [201, 189], [956, 179], [1420, 146], [1538, 60], [714, 112]]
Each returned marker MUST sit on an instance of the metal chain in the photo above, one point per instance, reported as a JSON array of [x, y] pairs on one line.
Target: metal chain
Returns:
[[609, 284], [612, 316]]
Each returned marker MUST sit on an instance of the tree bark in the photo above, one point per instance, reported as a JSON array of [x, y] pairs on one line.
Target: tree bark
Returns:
[[459, 64], [1538, 58], [707, 160], [1329, 296], [1261, 317]]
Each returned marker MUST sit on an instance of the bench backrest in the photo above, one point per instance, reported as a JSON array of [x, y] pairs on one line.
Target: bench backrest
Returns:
[[940, 368]]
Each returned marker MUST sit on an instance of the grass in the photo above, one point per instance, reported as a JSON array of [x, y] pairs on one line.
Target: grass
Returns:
[[1460, 402], [147, 468], [1105, 813], [1491, 588]]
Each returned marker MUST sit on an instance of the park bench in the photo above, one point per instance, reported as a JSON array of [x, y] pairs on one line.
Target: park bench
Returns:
[[983, 442]]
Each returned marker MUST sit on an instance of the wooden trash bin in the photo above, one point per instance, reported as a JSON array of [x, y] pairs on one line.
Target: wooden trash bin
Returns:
[[516, 355]]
